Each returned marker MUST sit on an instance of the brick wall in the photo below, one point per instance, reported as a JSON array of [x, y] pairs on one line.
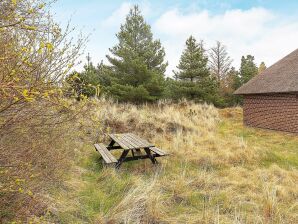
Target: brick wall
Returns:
[[276, 112]]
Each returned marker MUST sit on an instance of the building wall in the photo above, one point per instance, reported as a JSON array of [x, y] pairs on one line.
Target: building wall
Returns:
[[272, 111]]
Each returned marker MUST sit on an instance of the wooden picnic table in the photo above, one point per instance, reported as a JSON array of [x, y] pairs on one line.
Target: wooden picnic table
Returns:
[[128, 142]]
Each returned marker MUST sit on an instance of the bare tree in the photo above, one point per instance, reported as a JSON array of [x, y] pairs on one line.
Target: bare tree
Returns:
[[220, 62]]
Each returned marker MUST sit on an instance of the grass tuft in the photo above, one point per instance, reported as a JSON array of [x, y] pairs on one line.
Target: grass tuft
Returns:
[[218, 171]]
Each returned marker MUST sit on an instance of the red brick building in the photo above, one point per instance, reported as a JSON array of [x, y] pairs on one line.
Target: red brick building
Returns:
[[271, 98]]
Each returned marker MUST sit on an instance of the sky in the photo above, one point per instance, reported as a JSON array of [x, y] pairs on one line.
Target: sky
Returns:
[[266, 29]]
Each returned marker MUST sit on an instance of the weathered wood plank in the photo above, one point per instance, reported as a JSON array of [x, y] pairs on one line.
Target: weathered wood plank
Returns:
[[105, 153], [120, 142], [143, 143], [102, 153], [135, 143], [108, 153], [158, 151], [128, 141], [140, 141]]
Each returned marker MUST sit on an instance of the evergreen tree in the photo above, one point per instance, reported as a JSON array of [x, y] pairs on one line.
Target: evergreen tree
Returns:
[[232, 83], [248, 69], [220, 62], [262, 67], [138, 65], [90, 79], [230, 79], [193, 62], [104, 75], [194, 79], [87, 82]]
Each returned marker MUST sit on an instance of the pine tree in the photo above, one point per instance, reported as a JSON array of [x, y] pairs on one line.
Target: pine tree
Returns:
[[104, 75], [232, 83], [262, 67], [87, 82], [220, 62], [194, 79], [248, 69], [232, 77], [193, 62], [138, 61]]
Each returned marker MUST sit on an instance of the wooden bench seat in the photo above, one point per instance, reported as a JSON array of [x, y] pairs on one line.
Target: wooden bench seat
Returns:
[[158, 151], [105, 153]]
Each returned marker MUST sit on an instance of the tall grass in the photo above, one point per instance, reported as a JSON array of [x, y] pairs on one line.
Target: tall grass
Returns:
[[218, 171]]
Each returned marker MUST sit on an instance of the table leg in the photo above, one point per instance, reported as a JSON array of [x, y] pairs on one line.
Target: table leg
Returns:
[[152, 158], [122, 158], [111, 143]]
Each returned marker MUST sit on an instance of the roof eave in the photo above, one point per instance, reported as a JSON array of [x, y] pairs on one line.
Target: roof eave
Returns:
[[262, 93]]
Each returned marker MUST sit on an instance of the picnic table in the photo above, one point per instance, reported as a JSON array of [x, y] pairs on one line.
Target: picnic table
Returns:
[[128, 143]]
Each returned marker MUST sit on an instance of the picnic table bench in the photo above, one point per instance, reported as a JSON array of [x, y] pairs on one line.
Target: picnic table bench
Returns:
[[128, 142]]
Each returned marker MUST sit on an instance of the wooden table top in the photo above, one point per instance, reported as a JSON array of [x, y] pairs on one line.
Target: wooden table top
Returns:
[[130, 141]]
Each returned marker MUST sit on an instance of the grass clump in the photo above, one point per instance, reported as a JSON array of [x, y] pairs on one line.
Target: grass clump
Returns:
[[218, 171]]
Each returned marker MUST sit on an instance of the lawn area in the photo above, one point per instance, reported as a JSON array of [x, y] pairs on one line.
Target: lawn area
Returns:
[[219, 171]]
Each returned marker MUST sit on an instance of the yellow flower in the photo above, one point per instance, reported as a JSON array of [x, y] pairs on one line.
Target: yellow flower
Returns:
[[42, 45], [25, 93], [49, 46]]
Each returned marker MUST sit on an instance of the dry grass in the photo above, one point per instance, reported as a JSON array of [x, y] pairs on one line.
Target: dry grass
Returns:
[[34, 158], [219, 171]]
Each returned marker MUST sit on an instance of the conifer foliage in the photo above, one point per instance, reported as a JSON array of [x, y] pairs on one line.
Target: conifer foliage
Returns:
[[138, 64], [193, 62], [248, 69], [194, 80]]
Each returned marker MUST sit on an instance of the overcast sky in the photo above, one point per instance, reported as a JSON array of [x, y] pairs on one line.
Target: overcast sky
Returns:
[[267, 29]]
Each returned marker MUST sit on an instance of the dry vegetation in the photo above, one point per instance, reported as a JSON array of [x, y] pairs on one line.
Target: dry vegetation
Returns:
[[219, 172], [35, 57], [33, 159]]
